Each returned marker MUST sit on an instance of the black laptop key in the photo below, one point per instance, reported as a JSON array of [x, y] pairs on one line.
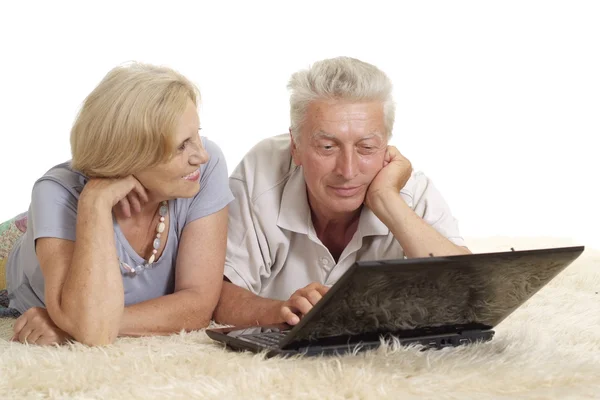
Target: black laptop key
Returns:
[[270, 339]]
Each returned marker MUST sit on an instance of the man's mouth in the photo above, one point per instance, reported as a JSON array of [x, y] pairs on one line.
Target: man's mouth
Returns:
[[346, 191]]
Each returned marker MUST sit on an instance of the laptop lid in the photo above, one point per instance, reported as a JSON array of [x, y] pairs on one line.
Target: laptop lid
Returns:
[[428, 296]]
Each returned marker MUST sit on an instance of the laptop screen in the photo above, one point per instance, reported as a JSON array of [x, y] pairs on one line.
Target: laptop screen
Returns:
[[438, 295]]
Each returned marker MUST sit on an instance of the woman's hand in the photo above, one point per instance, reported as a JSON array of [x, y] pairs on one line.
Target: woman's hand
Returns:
[[127, 192], [36, 327]]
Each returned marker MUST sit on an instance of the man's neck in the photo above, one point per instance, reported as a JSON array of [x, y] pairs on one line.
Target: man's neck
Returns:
[[334, 224], [335, 230]]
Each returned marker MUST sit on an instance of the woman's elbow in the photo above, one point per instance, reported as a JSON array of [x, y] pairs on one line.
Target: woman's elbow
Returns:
[[95, 337], [198, 323], [91, 331]]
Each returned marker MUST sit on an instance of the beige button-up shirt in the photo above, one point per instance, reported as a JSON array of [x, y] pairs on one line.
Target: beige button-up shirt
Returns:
[[272, 247]]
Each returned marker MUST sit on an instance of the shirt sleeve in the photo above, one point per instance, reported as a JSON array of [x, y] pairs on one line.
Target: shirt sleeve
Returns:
[[214, 192], [429, 204], [53, 211], [245, 265]]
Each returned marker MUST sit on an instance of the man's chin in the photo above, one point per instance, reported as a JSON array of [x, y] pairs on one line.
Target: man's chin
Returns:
[[347, 204]]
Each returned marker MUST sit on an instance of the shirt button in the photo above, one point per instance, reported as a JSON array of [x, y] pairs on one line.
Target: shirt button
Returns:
[[324, 261]]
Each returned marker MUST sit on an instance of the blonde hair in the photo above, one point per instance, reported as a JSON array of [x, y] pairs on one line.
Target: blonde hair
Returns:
[[341, 78], [127, 123]]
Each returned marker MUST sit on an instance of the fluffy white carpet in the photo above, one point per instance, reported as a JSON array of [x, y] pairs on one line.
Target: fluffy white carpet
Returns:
[[549, 348]]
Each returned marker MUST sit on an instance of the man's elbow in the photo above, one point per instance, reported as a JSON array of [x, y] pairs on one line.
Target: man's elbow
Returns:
[[464, 250], [219, 316]]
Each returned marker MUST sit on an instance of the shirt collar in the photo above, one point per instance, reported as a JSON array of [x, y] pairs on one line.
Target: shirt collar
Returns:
[[294, 212], [370, 225]]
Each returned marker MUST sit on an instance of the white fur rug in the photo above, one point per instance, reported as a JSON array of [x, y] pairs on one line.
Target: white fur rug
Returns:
[[549, 348]]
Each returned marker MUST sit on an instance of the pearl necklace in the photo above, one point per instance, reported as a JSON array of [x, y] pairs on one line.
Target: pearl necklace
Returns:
[[160, 228]]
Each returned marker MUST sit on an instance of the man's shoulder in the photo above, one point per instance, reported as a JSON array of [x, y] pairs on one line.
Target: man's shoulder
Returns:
[[416, 185], [266, 167]]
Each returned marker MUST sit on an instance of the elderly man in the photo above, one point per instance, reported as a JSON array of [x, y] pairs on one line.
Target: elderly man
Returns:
[[309, 204]]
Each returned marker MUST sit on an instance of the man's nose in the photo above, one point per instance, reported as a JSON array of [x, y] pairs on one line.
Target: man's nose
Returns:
[[347, 164]]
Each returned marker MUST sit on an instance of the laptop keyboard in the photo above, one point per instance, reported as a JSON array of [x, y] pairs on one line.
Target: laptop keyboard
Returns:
[[269, 339]]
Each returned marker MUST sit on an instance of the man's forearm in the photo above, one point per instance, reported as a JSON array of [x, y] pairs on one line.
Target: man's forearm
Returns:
[[417, 237], [238, 306]]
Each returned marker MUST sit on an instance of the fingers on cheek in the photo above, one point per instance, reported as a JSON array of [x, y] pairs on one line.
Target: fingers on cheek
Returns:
[[125, 207]]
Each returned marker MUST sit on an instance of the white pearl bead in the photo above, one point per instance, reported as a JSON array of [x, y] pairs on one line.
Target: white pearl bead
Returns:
[[161, 227], [152, 258]]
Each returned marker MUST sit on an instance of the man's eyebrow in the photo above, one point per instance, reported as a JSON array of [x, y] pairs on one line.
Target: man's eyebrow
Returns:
[[320, 134], [371, 135], [376, 132]]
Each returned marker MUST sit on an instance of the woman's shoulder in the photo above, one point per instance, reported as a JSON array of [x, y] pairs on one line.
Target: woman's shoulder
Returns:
[[214, 193], [61, 178], [63, 175], [213, 149], [214, 173]]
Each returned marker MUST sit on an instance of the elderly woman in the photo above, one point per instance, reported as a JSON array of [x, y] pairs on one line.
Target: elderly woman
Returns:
[[129, 237]]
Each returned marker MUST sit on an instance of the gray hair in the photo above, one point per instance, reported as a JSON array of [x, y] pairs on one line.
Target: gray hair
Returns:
[[341, 78]]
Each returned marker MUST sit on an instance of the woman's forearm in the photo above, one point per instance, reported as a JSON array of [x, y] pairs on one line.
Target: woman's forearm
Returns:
[[92, 297], [183, 310]]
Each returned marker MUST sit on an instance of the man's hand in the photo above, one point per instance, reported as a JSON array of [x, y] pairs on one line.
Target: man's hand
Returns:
[[36, 327], [391, 178], [301, 302]]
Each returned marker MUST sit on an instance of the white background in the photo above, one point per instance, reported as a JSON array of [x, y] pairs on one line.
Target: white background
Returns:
[[498, 102]]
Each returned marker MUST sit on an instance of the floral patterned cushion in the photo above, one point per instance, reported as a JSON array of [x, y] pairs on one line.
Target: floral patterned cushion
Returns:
[[10, 232]]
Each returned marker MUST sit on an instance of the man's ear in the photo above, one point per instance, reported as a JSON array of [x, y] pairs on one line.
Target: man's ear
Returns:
[[294, 150]]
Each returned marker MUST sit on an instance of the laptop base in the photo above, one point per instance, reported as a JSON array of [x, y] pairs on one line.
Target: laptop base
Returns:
[[253, 343]]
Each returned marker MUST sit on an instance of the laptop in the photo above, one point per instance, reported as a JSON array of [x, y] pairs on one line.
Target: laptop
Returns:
[[435, 302]]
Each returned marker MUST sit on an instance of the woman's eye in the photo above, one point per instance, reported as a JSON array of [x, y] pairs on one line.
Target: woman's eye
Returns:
[[182, 146]]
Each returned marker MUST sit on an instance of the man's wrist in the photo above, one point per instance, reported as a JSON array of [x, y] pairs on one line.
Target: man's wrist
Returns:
[[275, 313], [378, 200], [389, 207]]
